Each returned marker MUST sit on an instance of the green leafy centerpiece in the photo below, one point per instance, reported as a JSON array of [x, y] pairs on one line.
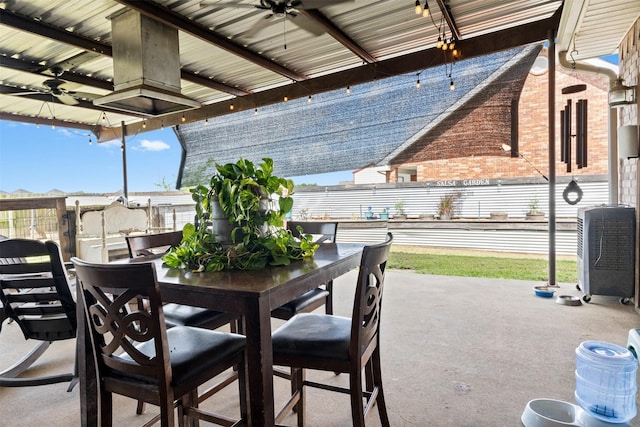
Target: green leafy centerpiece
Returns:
[[254, 203]]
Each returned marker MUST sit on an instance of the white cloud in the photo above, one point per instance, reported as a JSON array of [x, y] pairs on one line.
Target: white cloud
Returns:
[[111, 144], [157, 145]]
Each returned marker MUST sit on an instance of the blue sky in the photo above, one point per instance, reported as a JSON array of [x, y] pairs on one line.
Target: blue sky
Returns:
[[40, 159]]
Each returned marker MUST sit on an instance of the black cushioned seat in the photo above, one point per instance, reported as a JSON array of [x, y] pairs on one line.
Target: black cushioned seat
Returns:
[[186, 315], [314, 297], [192, 351], [314, 336]]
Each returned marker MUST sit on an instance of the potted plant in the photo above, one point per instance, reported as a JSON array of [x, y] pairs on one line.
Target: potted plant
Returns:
[[254, 203], [369, 213], [498, 216], [534, 213], [384, 214], [449, 205], [400, 213]]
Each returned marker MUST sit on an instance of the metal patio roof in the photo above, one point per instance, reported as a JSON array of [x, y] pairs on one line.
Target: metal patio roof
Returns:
[[224, 61]]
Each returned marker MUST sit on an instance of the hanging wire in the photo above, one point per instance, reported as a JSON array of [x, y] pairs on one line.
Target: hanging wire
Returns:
[[284, 30]]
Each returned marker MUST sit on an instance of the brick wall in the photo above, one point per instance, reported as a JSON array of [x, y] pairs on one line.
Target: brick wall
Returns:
[[532, 135]]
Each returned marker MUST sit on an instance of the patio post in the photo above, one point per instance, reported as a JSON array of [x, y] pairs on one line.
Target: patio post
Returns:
[[124, 164], [552, 158]]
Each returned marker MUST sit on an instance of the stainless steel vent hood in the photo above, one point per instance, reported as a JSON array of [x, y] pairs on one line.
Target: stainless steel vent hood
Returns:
[[146, 65]]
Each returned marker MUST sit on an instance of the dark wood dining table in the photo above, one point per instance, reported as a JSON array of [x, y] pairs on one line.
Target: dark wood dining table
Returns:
[[252, 294]]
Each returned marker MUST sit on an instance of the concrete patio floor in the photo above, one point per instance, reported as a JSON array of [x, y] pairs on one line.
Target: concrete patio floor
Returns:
[[456, 352]]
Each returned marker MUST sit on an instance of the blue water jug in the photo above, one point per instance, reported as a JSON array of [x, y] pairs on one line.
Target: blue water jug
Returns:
[[606, 381]]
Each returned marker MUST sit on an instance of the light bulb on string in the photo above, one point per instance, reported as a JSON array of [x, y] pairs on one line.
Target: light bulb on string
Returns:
[[206, 121], [255, 112], [286, 98], [348, 89], [144, 124], [452, 86], [439, 42], [231, 107], [183, 119], [418, 84], [425, 10], [418, 8], [309, 100]]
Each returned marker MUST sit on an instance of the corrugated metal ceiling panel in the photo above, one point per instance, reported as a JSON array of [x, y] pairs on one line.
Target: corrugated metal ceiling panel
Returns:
[[384, 28]]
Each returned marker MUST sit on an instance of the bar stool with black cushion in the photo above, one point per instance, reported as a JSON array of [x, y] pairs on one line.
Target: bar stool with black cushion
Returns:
[[138, 357], [339, 344], [151, 245], [322, 295]]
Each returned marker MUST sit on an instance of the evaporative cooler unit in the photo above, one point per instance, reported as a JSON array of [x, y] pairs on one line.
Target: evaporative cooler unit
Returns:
[[606, 251]]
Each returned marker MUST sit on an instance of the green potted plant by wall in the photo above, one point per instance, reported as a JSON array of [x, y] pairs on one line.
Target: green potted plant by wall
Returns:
[[534, 213], [400, 212], [449, 205], [254, 203]]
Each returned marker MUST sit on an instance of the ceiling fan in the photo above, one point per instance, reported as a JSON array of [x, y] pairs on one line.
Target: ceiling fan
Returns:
[[55, 87], [280, 9]]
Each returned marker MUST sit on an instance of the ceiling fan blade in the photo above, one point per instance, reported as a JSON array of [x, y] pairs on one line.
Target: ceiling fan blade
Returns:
[[307, 24], [217, 3], [18, 92], [317, 4], [259, 26], [85, 95], [67, 99]]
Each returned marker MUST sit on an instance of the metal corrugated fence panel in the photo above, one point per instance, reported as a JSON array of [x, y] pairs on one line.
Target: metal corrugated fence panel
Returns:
[[477, 201], [499, 240]]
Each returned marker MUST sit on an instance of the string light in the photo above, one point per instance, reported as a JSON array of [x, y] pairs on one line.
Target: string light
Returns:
[[231, 106], [439, 42], [425, 10], [255, 112], [144, 124], [286, 98], [418, 8], [348, 89], [452, 86], [309, 100], [206, 121], [418, 84], [184, 119]]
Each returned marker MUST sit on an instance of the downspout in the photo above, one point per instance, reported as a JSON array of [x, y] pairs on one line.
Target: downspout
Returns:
[[612, 121]]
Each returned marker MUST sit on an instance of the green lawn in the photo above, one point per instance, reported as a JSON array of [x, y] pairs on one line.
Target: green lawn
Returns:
[[491, 266]]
